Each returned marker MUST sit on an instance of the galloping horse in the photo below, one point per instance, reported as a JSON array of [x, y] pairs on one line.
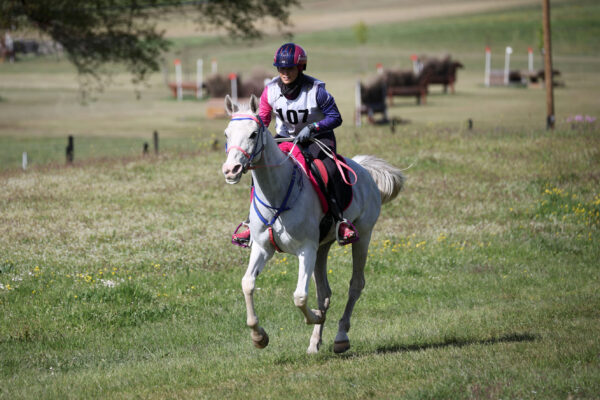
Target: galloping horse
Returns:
[[286, 212]]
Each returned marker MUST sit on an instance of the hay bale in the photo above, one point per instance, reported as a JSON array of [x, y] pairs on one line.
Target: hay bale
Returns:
[[373, 94], [255, 84], [217, 85], [400, 78]]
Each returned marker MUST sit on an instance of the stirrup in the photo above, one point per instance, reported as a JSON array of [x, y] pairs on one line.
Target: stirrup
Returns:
[[345, 240], [239, 241]]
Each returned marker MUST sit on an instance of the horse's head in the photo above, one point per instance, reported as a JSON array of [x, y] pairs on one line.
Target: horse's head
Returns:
[[245, 138]]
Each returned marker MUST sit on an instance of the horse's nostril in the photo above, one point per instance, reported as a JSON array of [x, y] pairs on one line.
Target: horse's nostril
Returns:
[[236, 169]]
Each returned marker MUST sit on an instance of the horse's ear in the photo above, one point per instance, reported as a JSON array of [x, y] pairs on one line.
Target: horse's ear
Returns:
[[254, 103], [230, 106]]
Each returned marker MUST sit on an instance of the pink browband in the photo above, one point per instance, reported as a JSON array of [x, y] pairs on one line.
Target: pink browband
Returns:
[[238, 117]]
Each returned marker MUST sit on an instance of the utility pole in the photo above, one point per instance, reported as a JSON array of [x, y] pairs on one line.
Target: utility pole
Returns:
[[548, 73]]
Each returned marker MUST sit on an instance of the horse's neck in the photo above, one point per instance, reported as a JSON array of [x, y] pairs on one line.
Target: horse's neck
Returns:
[[273, 172]]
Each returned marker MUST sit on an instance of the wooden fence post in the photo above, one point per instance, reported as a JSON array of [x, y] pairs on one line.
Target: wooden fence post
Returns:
[[70, 150], [548, 73], [155, 136], [357, 105]]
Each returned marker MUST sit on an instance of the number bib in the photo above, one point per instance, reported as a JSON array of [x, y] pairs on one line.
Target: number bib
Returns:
[[293, 115]]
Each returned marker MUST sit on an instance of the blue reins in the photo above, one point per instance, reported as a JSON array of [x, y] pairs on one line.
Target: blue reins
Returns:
[[278, 210]]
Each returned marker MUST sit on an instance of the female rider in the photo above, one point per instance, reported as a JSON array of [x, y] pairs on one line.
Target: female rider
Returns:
[[303, 110]]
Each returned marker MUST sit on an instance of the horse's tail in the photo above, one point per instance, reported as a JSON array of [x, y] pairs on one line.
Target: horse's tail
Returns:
[[388, 178]]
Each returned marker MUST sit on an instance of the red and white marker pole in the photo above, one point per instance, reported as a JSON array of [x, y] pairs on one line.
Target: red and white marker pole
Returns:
[[234, 88], [530, 54], [178, 79], [214, 66], [488, 66], [199, 78], [415, 60], [509, 51], [379, 67]]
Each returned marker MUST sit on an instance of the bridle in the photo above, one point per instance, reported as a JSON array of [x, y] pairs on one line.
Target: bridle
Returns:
[[260, 138]]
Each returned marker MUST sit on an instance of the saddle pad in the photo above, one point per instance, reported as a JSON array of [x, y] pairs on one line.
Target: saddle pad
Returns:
[[297, 154]]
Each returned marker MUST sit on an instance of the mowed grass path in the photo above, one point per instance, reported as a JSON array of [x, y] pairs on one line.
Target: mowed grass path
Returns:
[[117, 278]]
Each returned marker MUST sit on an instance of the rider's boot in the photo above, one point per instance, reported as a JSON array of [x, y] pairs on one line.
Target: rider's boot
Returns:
[[346, 232], [242, 238]]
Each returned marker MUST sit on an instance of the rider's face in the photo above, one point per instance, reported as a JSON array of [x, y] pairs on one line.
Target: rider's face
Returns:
[[288, 74]]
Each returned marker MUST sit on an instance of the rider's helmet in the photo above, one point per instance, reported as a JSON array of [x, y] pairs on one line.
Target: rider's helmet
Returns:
[[290, 55]]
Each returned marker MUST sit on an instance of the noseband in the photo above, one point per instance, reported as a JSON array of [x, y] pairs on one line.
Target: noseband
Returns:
[[256, 151]]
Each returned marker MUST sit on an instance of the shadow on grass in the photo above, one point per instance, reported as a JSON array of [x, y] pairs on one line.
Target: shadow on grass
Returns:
[[328, 354], [454, 342]]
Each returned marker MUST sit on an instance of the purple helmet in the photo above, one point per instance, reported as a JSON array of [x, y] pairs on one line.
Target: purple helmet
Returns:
[[290, 55]]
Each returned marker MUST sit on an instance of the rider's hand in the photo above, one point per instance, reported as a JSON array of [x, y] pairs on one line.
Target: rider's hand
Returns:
[[304, 134]]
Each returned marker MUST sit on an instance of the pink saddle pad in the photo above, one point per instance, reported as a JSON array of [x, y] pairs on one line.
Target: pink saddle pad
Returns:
[[297, 154]]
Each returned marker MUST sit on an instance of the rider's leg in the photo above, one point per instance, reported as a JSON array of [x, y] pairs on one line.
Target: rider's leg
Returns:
[[242, 238], [346, 233]]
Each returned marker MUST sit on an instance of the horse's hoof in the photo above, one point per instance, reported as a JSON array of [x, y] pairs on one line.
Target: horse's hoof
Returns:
[[340, 347], [313, 348], [261, 339]]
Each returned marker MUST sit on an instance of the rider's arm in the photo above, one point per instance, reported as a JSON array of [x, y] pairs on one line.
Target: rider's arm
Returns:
[[326, 103], [265, 109]]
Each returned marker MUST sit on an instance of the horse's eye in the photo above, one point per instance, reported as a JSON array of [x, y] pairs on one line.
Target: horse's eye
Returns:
[[253, 134]]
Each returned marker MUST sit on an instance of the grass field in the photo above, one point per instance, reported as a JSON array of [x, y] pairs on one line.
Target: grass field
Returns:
[[117, 278]]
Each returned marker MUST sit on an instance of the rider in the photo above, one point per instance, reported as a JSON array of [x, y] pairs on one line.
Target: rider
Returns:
[[303, 110]]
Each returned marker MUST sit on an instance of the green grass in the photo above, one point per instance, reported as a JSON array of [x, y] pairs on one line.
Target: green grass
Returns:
[[482, 281], [118, 280], [572, 25]]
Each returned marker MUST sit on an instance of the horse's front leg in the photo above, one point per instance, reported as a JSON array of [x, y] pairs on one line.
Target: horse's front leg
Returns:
[[306, 266], [258, 259]]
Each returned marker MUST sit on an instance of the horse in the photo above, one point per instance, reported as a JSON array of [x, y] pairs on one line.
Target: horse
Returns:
[[285, 215]]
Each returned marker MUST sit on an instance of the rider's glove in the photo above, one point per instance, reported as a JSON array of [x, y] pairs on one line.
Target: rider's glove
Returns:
[[305, 133]]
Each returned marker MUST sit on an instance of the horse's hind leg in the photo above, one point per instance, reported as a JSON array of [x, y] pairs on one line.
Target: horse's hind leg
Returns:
[[323, 296], [360, 250]]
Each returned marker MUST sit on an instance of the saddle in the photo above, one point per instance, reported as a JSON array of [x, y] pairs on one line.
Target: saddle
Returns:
[[334, 193]]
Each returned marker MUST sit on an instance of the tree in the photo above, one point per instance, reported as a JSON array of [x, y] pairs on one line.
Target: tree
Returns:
[[361, 32], [97, 33]]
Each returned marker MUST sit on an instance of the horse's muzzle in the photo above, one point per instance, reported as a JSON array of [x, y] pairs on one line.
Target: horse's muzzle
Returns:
[[233, 172]]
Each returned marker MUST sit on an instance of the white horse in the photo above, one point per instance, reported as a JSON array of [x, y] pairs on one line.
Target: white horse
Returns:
[[291, 209]]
